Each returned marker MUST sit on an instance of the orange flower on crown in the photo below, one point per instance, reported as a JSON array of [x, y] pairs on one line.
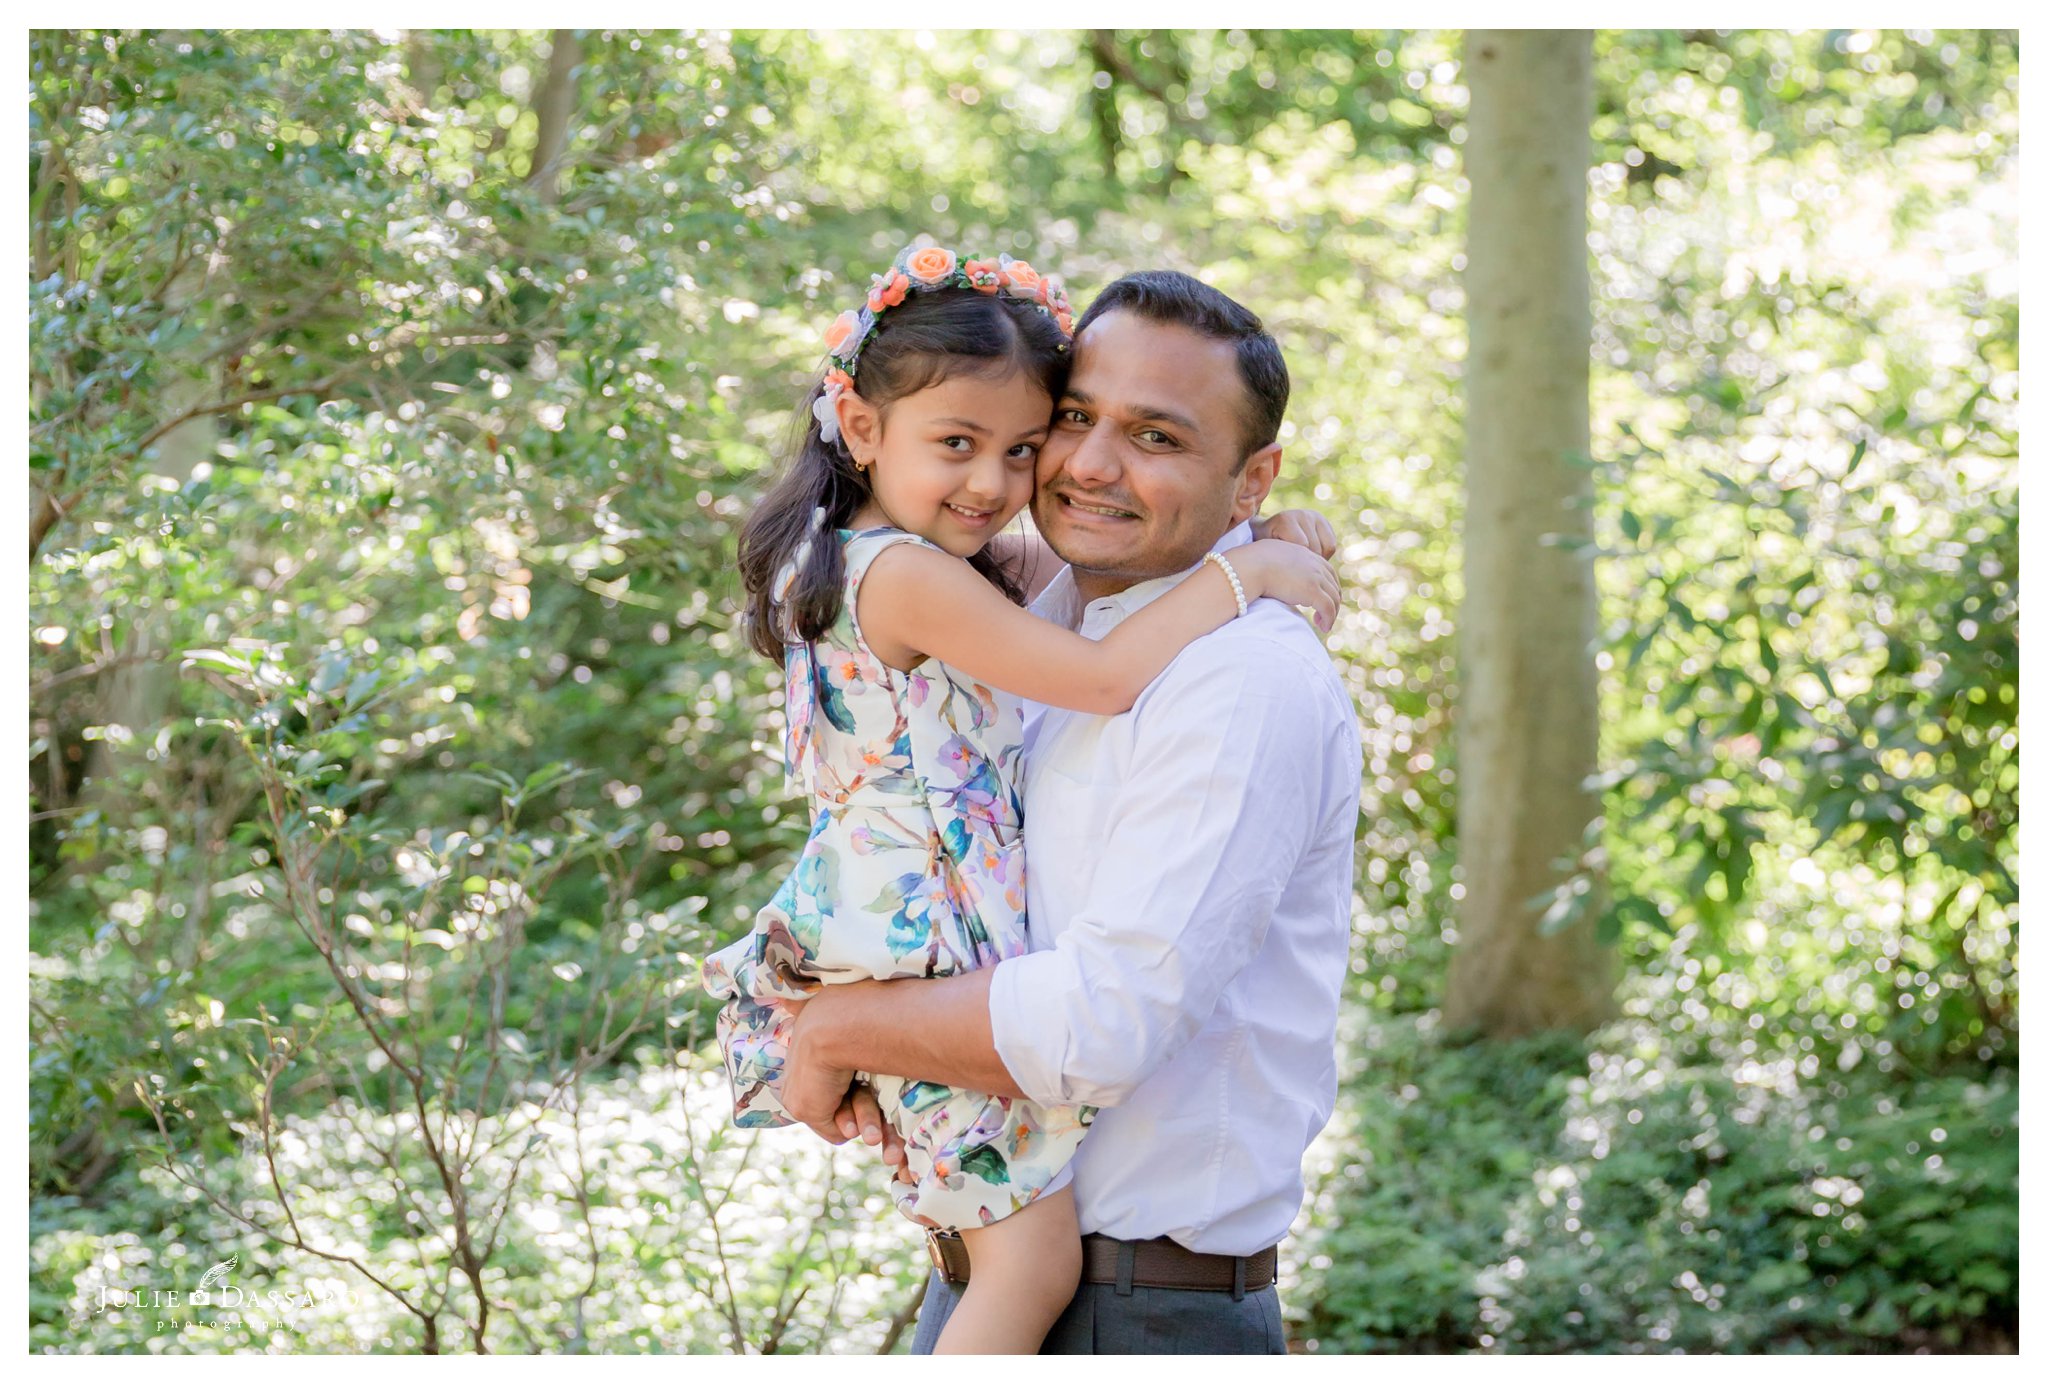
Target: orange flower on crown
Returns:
[[1022, 276], [842, 329], [986, 275], [931, 264], [889, 290]]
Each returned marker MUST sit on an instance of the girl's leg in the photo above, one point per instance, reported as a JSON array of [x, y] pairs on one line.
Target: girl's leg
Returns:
[[1023, 1272]]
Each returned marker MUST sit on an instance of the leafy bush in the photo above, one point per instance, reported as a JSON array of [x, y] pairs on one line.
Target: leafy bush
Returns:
[[1624, 1195]]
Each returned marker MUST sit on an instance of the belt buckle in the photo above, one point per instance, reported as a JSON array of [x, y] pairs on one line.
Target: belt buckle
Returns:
[[938, 1256]]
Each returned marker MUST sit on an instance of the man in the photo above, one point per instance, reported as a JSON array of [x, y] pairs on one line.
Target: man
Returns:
[[1190, 866]]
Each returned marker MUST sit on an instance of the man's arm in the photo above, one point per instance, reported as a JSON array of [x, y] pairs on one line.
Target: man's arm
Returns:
[[1224, 794], [1220, 803], [935, 1030]]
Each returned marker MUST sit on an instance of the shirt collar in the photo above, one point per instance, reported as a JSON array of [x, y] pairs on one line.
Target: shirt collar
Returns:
[[1061, 601]]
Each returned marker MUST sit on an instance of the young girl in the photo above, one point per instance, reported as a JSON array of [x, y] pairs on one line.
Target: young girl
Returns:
[[871, 574]]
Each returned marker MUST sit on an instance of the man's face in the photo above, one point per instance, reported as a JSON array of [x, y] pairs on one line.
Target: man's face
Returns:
[[1139, 477]]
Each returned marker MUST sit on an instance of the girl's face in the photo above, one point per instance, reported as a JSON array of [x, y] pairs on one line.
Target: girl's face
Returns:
[[952, 463]]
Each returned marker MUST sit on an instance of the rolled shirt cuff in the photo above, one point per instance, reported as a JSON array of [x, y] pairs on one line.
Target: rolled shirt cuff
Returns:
[[1013, 999]]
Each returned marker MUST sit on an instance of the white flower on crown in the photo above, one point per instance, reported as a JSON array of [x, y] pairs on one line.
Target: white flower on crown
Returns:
[[825, 408]]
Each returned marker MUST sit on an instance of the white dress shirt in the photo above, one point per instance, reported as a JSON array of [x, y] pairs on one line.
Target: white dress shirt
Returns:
[[1190, 870]]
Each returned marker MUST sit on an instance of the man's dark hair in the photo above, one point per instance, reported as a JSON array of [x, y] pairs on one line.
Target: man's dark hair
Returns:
[[1167, 295]]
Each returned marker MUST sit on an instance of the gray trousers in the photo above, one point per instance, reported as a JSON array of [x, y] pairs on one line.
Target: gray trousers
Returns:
[[1145, 1321]]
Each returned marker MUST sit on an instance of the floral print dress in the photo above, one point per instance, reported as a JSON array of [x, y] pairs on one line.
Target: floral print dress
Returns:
[[914, 867]]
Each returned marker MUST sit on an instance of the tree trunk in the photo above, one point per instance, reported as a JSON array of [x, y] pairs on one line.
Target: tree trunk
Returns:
[[1528, 718], [1102, 99], [422, 65], [142, 691], [553, 109]]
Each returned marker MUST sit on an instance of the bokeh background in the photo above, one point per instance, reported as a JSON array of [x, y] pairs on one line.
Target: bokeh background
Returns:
[[394, 756]]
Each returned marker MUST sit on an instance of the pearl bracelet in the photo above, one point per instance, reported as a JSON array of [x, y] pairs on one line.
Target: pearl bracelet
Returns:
[[1236, 586]]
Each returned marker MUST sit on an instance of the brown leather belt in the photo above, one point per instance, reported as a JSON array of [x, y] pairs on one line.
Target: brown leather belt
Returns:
[[1137, 1264]]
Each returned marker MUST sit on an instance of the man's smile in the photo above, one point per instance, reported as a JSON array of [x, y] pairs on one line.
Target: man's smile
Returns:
[[1080, 507]]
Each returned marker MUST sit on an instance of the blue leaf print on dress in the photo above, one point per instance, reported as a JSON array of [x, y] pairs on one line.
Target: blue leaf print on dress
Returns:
[[907, 904], [834, 703], [985, 1163], [817, 883], [920, 1096]]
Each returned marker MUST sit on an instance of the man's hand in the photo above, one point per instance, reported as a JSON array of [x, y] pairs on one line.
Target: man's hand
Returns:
[[809, 1083], [813, 1089], [1304, 528], [936, 1029], [860, 1117]]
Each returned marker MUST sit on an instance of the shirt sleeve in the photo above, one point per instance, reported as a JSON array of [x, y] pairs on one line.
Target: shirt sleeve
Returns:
[[1224, 795]]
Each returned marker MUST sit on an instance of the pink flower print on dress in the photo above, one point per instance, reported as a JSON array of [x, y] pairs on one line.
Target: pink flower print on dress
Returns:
[[961, 757], [976, 788]]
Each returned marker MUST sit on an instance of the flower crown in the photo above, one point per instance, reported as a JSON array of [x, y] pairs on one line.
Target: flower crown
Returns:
[[918, 270]]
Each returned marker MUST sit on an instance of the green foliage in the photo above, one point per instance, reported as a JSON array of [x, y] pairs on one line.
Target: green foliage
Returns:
[[1627, 1195], [693, 1239], [1811, 557], [1853, 90], [439, 470]]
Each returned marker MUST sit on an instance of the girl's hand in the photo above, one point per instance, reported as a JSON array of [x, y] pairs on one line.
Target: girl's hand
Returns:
[[1287, 572], [1304, 527]]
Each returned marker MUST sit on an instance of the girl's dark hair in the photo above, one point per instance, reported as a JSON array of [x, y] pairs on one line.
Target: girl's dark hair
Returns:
[[929, 338]]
